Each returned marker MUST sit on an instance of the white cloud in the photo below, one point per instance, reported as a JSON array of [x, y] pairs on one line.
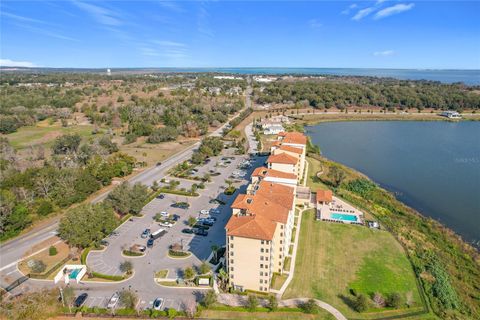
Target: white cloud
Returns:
[[384, 53], [362, 14], [398, 8], [100, 14], [314, 23], [380, 2], [167, 43], [21, 18], [13, 63], [349, 8]]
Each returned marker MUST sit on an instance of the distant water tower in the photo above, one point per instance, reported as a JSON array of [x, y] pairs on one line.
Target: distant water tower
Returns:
[[109, 72]]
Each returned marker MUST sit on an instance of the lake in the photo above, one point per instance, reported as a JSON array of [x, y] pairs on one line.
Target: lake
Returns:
[[433, 167]]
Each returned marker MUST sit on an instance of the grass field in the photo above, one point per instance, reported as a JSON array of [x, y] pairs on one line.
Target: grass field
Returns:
[[334, 258], [313, 182], [216, 314], [278, 280], [41, 134]]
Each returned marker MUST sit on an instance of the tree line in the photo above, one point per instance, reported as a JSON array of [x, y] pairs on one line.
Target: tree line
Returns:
[[340, 93]]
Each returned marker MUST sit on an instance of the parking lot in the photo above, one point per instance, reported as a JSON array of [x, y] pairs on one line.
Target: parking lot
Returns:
[[156, 258]]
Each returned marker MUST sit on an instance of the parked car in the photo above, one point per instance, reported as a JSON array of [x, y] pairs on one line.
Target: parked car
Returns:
[[164, 214], [166, 224], [80, 300], [201, 232], [146, 233], [104, 243], [158, 304], [159, 163], [181, 205], [150, 243], [186, 230], [113, 300], [175, 217], [206, 222], [204, 211], [160, 196], [138, 248], [214, 211], [113, 233]]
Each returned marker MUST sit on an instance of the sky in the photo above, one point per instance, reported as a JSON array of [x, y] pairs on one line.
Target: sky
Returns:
[[330, 34]]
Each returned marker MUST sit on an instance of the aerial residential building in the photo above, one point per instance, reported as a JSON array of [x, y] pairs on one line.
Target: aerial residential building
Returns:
[[259, 232]]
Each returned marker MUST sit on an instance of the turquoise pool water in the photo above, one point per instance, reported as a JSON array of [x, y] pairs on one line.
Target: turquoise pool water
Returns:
[[74, 273], [344, 217]]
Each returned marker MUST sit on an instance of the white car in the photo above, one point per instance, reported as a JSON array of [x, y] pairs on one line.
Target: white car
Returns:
[[113, 301], [204, 211], [158, 304], [166, 224], [164, 214]]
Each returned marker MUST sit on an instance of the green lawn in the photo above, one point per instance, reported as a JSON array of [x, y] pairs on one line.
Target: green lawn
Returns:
[[278, 280], [313, 182], [44, 134], [334, 258], [290, 315]]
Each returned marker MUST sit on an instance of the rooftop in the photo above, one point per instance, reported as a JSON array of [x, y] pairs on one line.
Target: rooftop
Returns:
[[255, 227], [324, 195], [265, 172], [282, 158]]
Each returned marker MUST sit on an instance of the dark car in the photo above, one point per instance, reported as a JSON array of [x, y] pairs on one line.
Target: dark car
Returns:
[[206, 223], [175, 217], [146, 233], [186, 230], [80, 300], [201, 232], [180, 205], [104, 243], [160, 196], [159, 163], [150, 242]]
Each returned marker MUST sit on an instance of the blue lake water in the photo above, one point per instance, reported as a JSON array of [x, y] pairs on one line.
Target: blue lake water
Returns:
[[433, 167]]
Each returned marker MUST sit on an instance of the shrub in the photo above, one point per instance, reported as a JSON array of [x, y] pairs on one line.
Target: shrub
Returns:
[[204, 268], [378, 299], [209, 299], [272, 303], [126, 267], [394, 300], [252, 302], [128, 298], [360, 304], [37, 266], [107, 276], [52, 251], [171, 312], [309, 307], [44, 207]]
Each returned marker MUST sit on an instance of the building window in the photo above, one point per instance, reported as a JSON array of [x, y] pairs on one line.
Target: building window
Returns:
[[266, 258], [281, 226], [261, 266], [262, 242], [231, 253], [261, 288], [231, 237], [261, 280], [261, 258], [261, 273], [266, 250], [281, 241], [231, 245], [261, 250], [231, 276], [231, 261], [281, 234], [280, 263], [231, 269], [280, 248]]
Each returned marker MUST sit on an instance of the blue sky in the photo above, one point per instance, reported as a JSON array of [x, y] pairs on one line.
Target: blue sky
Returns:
[[366, 34]]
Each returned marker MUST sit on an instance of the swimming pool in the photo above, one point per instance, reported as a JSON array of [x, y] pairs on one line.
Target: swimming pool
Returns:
[[344, 217], [74, 273]]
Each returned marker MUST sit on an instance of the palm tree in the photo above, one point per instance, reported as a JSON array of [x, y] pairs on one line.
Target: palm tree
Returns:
[[215, 250]]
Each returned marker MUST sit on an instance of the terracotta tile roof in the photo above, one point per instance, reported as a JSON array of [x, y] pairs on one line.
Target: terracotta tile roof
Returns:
[[291, 149], [265, 172], [277, 143], [295, 137], [278, 193], [253, 226], [282, 134], [282, 158], [324, 195], [261, 206]]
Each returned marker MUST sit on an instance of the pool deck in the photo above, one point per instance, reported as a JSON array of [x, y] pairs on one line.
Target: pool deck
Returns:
[[324, 211]]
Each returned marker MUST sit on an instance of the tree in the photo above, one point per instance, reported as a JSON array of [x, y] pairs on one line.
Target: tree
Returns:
[[209, 299], [336, 175], [188, 273], [204, 268], [215, 251], [66, 144], [87, 224], [128, 299], [360, 304], [126, 267], [52, 251], [310, 306], [39, 305], [191, 221], [68, 295], [125, 198], [252, 302], [272, 302], [378, 300], [394, 300]]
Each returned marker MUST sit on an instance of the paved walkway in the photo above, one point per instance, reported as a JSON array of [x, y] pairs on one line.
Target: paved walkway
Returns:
[[235, 300]]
